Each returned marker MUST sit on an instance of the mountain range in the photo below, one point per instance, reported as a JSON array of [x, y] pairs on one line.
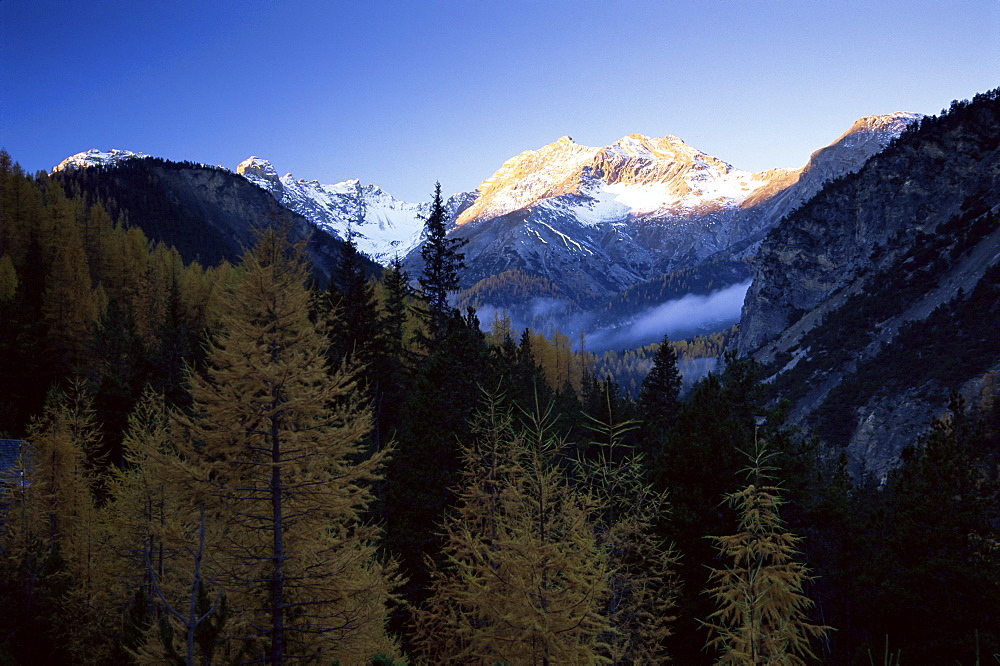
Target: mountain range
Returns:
[[209, 214], [595, 221], [562, 230], [870, 274]]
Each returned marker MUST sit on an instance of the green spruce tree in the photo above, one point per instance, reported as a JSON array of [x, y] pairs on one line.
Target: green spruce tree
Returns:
[[659, 397], [442, 262]]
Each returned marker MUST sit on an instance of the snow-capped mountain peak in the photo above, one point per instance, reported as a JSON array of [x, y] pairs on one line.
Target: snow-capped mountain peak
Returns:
[[637, 174], [381, 225], [257, 167], [95, 157], [594, 221], [261, 173]]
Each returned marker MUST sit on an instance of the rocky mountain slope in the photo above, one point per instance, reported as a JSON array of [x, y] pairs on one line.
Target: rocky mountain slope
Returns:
[[874, 300], [596, 221]]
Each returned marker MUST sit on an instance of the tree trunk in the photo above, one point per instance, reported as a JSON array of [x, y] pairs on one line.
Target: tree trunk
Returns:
[[278, 551]]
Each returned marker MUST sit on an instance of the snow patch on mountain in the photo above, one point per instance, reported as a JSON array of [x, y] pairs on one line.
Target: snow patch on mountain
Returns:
[[95, 158]]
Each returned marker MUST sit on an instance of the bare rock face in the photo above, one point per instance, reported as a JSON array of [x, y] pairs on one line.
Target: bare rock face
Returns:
[[870, 302], [595, 221], [844, 235]]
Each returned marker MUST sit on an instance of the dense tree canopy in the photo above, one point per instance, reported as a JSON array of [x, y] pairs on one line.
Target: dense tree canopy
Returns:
[[230, 463]]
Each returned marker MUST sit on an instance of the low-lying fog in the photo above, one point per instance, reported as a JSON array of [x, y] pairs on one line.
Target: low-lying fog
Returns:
[[680, 318]]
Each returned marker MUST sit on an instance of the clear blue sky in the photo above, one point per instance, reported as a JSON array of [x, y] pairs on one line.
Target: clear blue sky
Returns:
[[404, 93]]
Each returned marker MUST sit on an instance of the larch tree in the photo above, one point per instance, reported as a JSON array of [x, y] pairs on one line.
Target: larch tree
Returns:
[[51, 535], [69, 305], [442, 627], [20, 209], [279, 436], [525, 579], [643, 583], [761, 615], [157, 537]]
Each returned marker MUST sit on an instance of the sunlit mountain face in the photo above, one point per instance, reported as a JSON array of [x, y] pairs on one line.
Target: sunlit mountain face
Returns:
[[637, 176], [585, 224], [595, 221]]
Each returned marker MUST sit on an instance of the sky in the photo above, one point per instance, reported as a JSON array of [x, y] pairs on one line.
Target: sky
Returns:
[[403, 93]]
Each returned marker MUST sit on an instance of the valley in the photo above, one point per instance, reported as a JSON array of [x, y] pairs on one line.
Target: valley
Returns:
[[839, 330]]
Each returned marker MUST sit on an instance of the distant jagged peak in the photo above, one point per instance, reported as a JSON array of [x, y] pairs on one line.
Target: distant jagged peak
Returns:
[[383, 226], [664, 155], [95, 157], [259, 167], [564, 148], [648, 146], [262, 173], [353, 186]]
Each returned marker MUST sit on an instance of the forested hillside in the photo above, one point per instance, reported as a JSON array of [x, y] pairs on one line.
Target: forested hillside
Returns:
[[225, 464], [206, 213]]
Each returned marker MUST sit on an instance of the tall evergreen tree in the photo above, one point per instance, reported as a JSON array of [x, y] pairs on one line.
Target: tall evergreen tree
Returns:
[[391, 364], [279, 437], [422, 474], [117, 373], [395, 284], [525, 579], [643, 582], [354, 325], [659, 396], [442, 262], [762, 610]]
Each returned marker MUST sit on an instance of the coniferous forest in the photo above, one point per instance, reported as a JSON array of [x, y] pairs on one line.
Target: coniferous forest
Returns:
[[231, 463]]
